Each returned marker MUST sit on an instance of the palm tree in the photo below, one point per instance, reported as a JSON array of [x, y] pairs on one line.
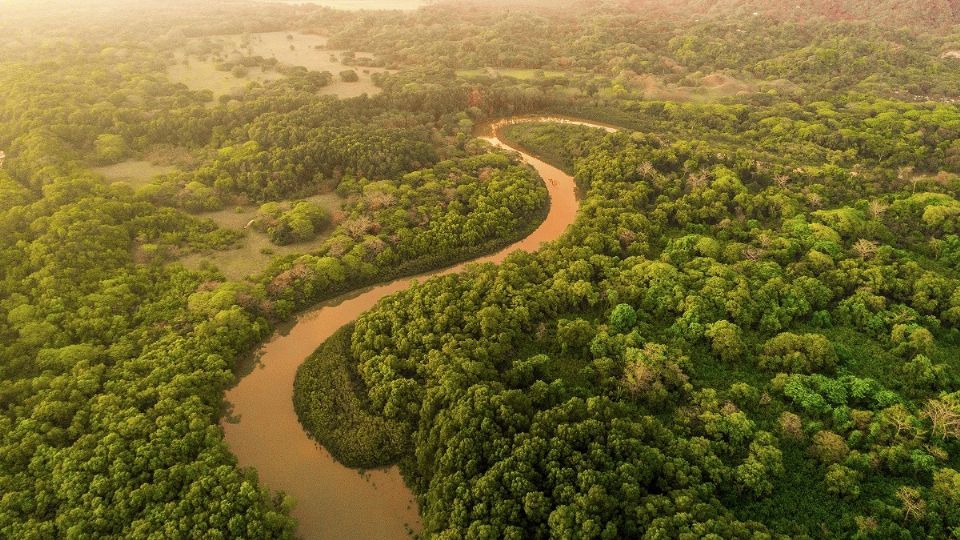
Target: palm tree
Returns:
[[878, 208]]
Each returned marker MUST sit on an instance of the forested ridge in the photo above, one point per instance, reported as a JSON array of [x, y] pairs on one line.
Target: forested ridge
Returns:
[[753, 328]]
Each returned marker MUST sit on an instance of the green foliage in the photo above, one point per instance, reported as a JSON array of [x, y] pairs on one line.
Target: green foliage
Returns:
[[557, 144], [623, 318], [807, 353], [710, 292], [109, 148], [828, 447], [332, 408], [726, 341], [842, 481], [113, 374], [455, 209], [607, 386], [300, 223], [652, 375]]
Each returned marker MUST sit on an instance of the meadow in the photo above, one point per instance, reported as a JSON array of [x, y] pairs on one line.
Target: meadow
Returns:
[[196, 63], [255, 251], [134, 172]]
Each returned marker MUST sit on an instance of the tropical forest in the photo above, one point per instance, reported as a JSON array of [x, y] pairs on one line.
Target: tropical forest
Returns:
[[464, 269]]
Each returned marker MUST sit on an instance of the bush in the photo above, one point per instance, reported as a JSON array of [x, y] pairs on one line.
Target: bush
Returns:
[[349, 76], [300, 223], [110, 148]]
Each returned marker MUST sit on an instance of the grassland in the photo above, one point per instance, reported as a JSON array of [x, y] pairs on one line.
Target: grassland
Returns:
[[292, 49], [134, 172], [203, 75], [515, 73], [698, 87], [256, 251]]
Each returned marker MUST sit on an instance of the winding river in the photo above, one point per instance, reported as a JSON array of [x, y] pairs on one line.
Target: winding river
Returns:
[[263, 431]]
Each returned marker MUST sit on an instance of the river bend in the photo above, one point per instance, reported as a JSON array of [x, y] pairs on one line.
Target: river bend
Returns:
[[263, 431]]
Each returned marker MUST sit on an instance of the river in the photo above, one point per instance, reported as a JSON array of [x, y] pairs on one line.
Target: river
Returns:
[[263, 431]]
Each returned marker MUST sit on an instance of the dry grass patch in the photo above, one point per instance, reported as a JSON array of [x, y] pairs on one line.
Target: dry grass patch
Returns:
[[204, 75], [134, 172], [288, 48], [255, 251]]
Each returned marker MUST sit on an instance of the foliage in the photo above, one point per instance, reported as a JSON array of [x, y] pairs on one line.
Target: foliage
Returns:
[[422, 220], [807, 353], [751, 330], [715, 296], [301, 222], [334, 412]]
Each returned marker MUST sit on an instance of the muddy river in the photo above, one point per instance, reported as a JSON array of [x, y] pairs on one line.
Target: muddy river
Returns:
[[263, 431]]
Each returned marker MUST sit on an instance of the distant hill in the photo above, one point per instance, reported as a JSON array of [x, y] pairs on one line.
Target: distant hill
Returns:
[[922, 13]]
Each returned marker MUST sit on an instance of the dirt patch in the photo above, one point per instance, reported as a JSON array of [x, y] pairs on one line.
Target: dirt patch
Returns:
[[515, 73]]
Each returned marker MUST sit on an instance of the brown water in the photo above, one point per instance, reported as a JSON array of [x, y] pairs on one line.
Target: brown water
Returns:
[[333, 501]]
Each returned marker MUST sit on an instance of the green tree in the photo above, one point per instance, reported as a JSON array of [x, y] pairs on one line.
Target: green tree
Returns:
[[726, 341], [842, 481], [623, 318], [828, 447], [110, 148]]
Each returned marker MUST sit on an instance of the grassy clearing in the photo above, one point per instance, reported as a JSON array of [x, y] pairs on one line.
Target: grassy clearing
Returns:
[[134, 172], [706, 88], [528, 74], [204, 75], [256, 251], [515, 73], [697, 87], [292, 49]]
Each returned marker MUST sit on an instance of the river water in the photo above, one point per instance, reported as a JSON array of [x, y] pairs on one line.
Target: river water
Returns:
[[263, 431]]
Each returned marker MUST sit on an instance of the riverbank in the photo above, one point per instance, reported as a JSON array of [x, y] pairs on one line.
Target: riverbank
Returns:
[[264, 432]]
